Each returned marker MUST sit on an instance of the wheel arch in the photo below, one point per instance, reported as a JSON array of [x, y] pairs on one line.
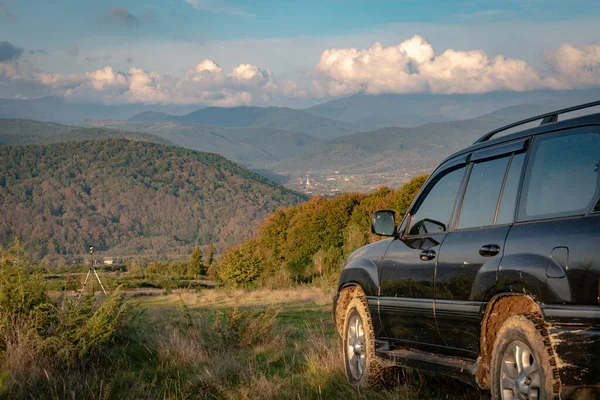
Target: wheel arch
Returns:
[[346, 293]]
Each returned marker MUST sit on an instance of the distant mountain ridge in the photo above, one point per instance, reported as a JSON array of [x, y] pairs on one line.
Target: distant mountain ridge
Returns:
[[56, 109], [334, 118], [270, 117], [392, 149], [128, 197], [254, 147], [15, 131], [369, 112]]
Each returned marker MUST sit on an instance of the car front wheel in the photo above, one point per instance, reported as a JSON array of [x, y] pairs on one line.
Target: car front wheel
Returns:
[[361, 366]]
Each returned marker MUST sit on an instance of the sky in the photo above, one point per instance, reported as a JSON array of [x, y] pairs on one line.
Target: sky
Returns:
[[292, 53]]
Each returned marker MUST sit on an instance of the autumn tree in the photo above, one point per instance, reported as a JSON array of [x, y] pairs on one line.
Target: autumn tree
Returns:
[[196, 265], [210, 257]]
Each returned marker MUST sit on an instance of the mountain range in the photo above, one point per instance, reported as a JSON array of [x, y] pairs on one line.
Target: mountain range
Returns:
[[254, 146], [406, 150], [20, 131], [358, 113], [364, 134], [144, 180], [56, 109]]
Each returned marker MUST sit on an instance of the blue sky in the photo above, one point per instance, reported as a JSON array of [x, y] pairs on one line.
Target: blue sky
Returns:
[[54, 23], [284, 38]]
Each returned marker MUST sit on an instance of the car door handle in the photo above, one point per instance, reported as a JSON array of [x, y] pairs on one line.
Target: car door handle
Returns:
[[489, 250], [427, 255]]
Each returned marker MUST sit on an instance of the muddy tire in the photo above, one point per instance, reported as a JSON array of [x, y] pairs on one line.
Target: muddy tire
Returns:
[[360, 364], [523, 361]]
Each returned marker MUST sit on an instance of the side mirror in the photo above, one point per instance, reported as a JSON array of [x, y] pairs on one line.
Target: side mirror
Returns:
[[383, 223]]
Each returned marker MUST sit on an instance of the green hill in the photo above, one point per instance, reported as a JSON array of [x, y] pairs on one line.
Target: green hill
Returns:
[[392, 149], [23, 131], [149, 116], [254, 147], [128, 197]]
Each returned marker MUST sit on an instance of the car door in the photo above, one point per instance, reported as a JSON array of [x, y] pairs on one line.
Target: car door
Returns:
[[470, 255], [407, 273], [552, 252]]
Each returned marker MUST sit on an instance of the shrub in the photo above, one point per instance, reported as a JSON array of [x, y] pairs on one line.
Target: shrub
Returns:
[[241, 265], [244, 328], [38, 334]]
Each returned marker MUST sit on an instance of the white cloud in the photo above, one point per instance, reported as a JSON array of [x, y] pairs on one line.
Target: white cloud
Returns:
[[413, 66], [205, 83], [575, 67]]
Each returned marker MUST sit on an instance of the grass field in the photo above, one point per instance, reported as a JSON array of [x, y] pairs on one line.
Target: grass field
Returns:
[[222, 344]]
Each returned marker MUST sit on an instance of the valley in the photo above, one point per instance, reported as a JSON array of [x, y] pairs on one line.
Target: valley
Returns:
[[149, 183]]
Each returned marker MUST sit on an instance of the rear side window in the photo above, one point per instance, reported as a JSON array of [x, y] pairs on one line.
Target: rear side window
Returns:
[[562, 178], [481, 197]]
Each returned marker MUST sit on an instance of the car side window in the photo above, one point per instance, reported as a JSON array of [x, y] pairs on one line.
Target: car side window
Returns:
[[483, 190], [562, 179], [434, 211]]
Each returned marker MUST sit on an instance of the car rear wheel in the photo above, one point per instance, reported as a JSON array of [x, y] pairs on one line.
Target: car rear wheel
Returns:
[[360, 364], [523, 362]]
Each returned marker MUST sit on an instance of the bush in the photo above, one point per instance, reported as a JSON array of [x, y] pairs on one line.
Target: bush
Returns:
[[244, 328], [241, 265], [38, 334]]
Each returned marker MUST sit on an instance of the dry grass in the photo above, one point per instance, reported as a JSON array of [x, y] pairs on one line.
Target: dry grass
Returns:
[[222, 298], [229, 344]]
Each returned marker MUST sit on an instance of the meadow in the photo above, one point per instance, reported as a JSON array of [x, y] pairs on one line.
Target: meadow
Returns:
[[187, 340]]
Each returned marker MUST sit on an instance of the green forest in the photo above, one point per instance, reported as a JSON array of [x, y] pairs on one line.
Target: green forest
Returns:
[[310, 241], [128, 197]]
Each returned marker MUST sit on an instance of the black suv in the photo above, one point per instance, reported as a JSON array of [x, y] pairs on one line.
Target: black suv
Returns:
[[493, 276]]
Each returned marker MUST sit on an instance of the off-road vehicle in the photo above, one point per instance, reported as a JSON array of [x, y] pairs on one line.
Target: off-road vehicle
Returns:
[[493, 275]]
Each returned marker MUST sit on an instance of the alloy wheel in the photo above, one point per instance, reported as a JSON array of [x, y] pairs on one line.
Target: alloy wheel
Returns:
[[520, 374], [355, 347]]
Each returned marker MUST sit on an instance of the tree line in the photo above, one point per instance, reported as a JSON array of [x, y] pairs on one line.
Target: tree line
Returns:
[[311, 240]]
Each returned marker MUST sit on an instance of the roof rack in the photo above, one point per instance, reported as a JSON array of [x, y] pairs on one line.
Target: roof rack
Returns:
[[546, 119]]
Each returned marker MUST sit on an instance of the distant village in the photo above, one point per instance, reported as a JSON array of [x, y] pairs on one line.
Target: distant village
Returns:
[[330, 184]]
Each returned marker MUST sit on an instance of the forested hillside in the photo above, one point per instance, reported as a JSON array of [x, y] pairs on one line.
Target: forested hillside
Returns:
[[392, 149], [311, 240], [25, 131], [128, 197]]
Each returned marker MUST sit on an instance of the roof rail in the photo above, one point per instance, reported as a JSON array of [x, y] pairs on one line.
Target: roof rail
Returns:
[[546, 119]]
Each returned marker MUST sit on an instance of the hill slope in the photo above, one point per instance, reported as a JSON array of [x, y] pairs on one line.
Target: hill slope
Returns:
[[24, 131], [254, 147], [128, 198], [392, 149]]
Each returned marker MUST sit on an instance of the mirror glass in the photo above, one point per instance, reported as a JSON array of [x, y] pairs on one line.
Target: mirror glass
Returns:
[[384, 223]]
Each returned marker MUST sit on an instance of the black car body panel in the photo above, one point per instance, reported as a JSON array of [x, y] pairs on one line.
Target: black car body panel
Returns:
[[430, 285], [362, 267]]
